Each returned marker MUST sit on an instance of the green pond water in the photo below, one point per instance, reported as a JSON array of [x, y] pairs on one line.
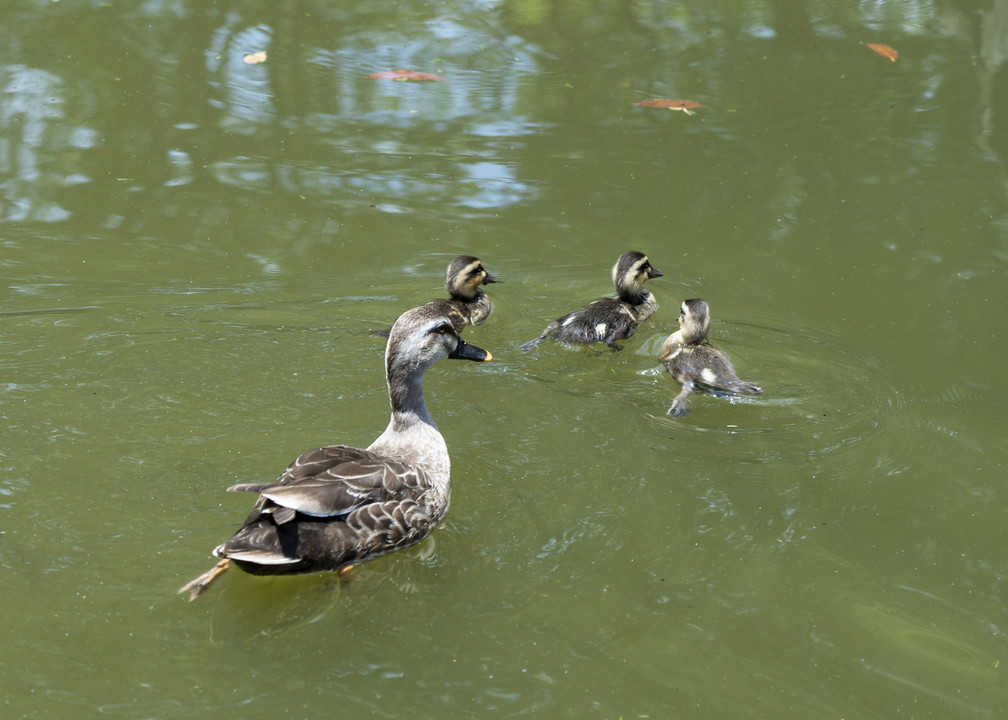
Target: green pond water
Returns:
[[195, 250]]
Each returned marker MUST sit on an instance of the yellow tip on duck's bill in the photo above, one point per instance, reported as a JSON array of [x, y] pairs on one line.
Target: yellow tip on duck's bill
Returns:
[[465, 351]]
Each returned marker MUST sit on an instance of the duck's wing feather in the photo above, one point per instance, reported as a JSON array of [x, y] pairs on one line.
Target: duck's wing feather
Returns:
[[456, 310], [709, 368], [605, 320], [335, 480]]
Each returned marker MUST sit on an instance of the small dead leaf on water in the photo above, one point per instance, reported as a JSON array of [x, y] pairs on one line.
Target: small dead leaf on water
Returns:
[[404, 76], [255, 58], [884, 50], [686, 106]]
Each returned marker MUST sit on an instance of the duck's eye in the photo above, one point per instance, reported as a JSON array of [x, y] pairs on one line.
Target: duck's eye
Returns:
[[441, 329]]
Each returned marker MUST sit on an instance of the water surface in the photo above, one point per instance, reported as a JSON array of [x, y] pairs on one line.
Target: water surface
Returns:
[[194, 252]]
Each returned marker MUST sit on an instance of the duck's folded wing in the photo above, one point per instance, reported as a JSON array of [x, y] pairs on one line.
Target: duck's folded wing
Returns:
[[361, 479], [603, 320], [710, 369], [313, 462]]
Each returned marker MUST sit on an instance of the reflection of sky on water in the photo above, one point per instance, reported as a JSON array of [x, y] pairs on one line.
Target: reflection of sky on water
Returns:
[[305, 121], [39, 145], [372, 125]]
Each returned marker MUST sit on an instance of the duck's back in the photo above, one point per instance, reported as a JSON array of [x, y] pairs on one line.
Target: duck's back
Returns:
[[606, 320], [707, 367], [333, 506], [464, 312]]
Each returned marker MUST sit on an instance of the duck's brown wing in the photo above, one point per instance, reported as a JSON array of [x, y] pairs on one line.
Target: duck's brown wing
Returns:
[[335, 480], [456, 311], [606, 320], [332, 506], [709, 368], [263, 547]]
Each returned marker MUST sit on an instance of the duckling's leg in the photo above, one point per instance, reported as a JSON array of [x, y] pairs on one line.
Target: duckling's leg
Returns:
[[533, 343], [679, 407], [196, 587]]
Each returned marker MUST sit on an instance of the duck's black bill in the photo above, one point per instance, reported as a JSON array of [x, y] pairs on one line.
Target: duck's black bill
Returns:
[[465, 351], [654, 272], [489, 279]]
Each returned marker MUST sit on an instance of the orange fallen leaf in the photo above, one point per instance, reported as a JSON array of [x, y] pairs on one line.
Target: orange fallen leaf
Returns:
[[884, 50], [255, 58], [403, 76], [683, 105]]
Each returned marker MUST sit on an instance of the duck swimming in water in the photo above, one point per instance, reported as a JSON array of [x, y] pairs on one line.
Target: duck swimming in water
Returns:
[[609, 319], [338, 506], [691, 361], [469, 304]]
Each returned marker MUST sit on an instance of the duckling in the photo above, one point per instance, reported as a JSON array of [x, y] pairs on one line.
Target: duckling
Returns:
[[691, 361], [609, 319], [469, 305], [338, 506]]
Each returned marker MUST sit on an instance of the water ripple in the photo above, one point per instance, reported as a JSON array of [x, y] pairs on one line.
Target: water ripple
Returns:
[[819, 396]]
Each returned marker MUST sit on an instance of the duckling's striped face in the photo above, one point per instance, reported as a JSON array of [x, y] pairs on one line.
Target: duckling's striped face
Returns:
[[694, 319], [465, 274], [631, 270]]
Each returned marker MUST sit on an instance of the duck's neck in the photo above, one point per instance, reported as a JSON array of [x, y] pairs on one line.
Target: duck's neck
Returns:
[[465, 296], [634, 296], [478, 307], [407, 400], [411, 434]]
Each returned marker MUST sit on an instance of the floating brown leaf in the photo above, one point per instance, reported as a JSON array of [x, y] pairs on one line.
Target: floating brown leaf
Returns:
[[403, 76], [685, 106], [255, 58], [884, 50]]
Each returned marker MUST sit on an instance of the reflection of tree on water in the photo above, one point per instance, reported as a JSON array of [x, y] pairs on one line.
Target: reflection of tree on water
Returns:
[[40, 147], [159, 96], [988, 29]]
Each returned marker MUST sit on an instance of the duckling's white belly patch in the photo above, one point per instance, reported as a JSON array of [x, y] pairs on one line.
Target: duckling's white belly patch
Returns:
[[600, 330], [708, 375]]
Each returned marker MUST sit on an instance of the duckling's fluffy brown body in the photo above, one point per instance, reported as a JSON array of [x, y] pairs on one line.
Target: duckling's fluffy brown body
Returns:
[[609, 320], [691, 361]]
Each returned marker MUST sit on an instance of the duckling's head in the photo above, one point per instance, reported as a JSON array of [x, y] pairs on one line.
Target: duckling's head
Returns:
[[629, 274], [422, 336], [694, 319], [464, 276]]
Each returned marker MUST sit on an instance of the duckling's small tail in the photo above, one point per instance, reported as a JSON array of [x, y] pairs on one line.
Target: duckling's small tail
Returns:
[[746, 388], [196, 587], [533, 343]]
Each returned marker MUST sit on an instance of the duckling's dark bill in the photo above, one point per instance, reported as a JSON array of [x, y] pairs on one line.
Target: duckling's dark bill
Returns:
[[467, 351]]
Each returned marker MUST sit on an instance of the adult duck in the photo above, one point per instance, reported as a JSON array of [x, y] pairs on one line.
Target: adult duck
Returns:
[[337, 506]]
